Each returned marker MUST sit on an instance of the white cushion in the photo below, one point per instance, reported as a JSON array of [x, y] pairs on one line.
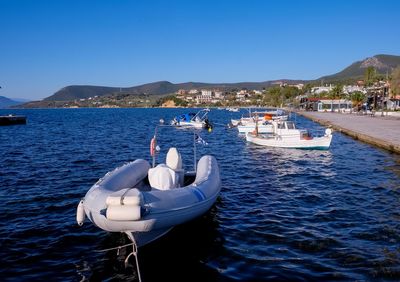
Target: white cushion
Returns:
[[162, 177], [127, 196], [174, 160], [123, 213]]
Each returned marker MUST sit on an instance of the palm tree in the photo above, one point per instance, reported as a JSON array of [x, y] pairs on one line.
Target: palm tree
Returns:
[[369, 76], [357, 98], [336, 92], [394, 82]]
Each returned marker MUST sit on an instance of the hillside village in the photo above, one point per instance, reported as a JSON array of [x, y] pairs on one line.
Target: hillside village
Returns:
[[326, 97], [368, 85]]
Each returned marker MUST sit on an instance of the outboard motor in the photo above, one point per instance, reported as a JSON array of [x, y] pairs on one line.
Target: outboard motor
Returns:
[[207, 124]]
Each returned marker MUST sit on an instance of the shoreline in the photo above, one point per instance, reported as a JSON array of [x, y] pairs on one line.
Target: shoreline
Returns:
[[378, 131]]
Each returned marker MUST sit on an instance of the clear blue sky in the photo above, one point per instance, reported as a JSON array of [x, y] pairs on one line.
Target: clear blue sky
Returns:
[[46, 45]]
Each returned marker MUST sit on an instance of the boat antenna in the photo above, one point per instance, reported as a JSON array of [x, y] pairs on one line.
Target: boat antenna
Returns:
[[194, 152], [256, 129]]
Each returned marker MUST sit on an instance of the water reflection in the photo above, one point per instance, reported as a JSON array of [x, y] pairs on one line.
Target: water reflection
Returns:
[[292, 161]]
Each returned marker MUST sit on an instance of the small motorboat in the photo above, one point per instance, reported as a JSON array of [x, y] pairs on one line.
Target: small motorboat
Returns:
[[261, 116], [278, 115], [285, 135], [196, 120], [264, 127], [12, 119], [250, 124], [232, 109], [146, 202]]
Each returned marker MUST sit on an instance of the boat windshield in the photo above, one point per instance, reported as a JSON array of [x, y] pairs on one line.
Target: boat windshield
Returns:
[[186, 117], [201, 115], [290, 125], [281, 125]]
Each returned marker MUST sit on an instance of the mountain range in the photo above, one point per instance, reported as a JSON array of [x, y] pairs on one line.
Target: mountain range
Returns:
[[382, 63], [7, 102], [155, 88]]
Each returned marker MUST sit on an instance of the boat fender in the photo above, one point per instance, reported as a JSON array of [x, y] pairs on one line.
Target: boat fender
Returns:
[[131, 197], [123, 213], [80, 214], [153, 146], [328, 132]]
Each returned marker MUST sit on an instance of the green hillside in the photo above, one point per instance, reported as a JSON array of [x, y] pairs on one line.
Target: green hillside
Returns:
[[156, 88], [382, 63]]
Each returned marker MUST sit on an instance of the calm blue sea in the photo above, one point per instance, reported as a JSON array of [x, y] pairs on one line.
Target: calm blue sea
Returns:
[[283, 215]]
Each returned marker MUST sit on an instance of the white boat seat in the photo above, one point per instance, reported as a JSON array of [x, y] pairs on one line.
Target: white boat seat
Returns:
[[174, 159], [163, 178]]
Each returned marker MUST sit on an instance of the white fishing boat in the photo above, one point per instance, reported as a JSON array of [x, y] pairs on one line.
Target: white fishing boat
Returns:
[[285, 135], [146, 202], [196, 120]]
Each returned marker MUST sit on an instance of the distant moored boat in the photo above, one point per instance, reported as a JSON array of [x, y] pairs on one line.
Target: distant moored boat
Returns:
[[12, 119]]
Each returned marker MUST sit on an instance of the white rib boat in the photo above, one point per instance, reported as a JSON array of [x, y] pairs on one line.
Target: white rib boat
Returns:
[[285, 135], [145, 203]]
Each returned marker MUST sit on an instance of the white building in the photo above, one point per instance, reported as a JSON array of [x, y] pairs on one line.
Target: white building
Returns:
[[218, 94], [242, 95], [204, 97], [298, 85], [321, 89], [353, 88], [206, 93], [328, 105], [193, 91]]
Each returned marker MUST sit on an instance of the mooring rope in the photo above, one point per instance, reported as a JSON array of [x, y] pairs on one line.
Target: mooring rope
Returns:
[[134, 253], [217, 123], [114, 248]]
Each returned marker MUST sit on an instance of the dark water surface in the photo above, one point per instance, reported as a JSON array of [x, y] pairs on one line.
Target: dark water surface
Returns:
[[285, 215]]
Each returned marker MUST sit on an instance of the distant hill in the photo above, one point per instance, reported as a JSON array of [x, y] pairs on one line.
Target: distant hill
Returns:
[[382, 63], [79, 92], [7, 102], [156, 88]]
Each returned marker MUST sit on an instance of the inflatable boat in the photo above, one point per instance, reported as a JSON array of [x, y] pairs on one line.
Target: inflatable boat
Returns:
[[146, 202]]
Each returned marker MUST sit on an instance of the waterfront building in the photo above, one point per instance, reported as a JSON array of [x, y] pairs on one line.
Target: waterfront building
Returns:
[[334, 105]]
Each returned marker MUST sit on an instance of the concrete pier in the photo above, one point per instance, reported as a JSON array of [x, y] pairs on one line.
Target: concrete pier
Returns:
[[383, 132]]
